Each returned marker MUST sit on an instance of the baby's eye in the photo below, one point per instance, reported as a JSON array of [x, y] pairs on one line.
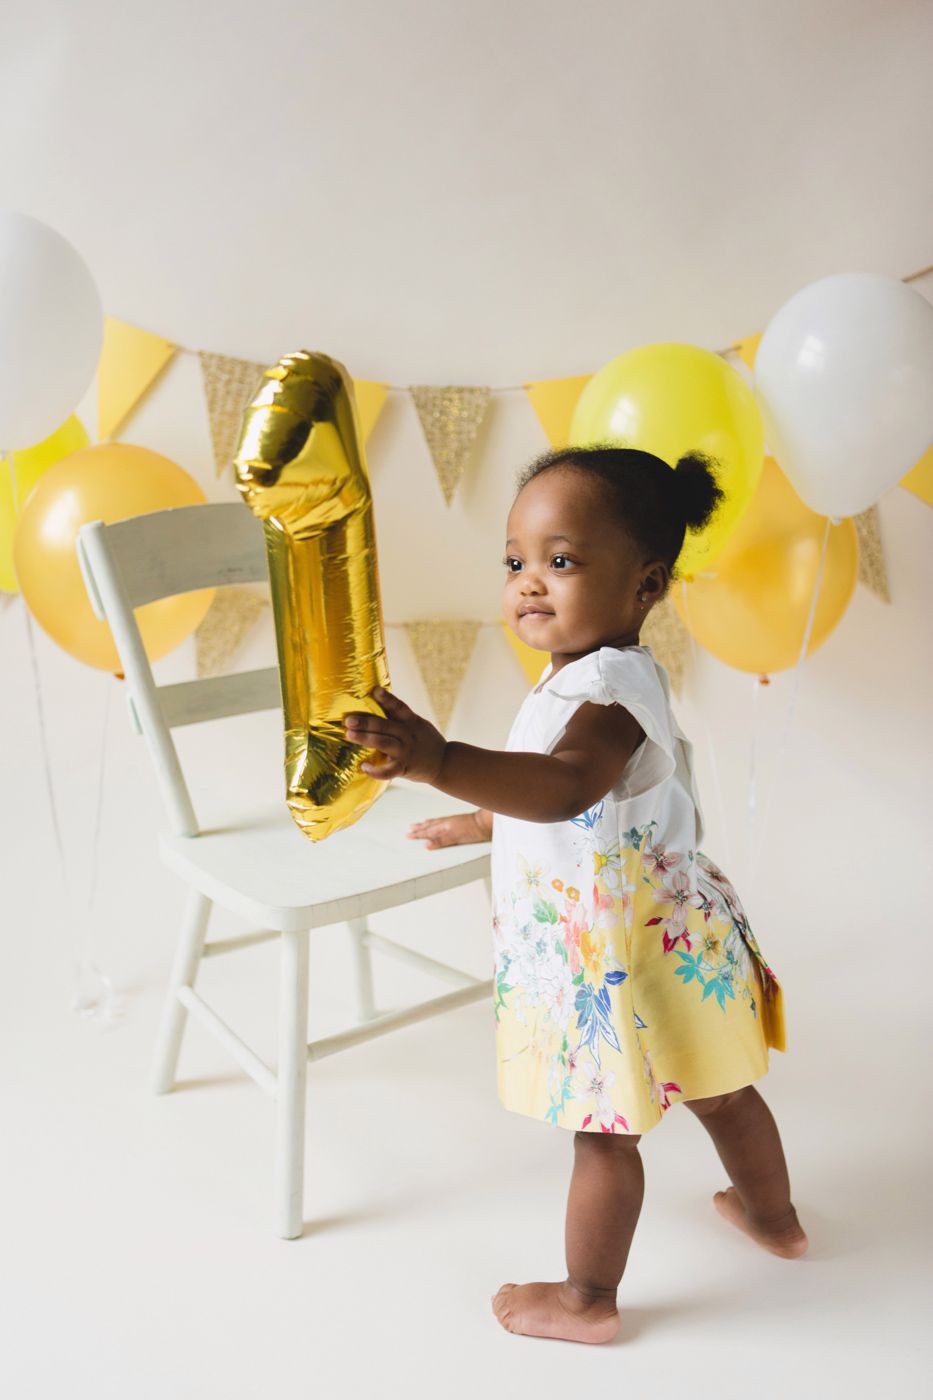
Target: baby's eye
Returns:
[[566, 560], [509, 560]]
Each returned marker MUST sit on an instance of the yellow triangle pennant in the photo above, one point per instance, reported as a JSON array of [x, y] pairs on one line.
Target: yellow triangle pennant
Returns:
[[747, 349], [442, 650], [531, 660], [225, 624], [554, 401], [229, 387], [668, 639], [130, 362], [370, 398], [919, 479], [451, 417], [871, 566]]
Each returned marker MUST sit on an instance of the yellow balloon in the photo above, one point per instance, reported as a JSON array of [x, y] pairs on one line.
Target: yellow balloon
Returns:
[[19, 474], [671, 399], [109, 483], [752, 612], [301, 468]]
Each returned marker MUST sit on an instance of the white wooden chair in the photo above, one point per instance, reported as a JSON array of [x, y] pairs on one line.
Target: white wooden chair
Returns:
[[259, 865]]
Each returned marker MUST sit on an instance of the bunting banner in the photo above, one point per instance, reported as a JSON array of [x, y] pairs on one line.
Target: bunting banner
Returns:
[[554, 401], [131, 360], [231, 615], [442, 650], [919, 479], [871, 567], [664, 632], [229, 387], [747, 349], [370, 398], [530, 659], [451, 417]]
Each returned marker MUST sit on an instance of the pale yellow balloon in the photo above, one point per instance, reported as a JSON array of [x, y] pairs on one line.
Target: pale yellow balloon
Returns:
[[672, 399], [752, 610], [19, 474], [112, 482]]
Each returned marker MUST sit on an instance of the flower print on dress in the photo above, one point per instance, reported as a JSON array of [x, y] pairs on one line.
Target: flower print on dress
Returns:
[[596, 1084], [659, 1093], [658, 861], [594, 1014], [681, 892]]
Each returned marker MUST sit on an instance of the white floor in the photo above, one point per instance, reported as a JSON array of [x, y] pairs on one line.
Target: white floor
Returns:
[[139, 1259]]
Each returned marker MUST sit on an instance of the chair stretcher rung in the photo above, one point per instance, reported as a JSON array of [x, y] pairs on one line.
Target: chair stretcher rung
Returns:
[[395, 1020], [239, 940], [416, 959], [256, 1068]]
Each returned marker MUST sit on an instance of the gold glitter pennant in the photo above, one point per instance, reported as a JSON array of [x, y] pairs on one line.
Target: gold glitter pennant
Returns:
[[668, 639], [442, 650], [871, 566], [451, 417], [229, 618], [229, 386]]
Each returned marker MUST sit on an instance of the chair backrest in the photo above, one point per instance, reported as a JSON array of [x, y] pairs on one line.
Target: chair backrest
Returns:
[[137, 561]]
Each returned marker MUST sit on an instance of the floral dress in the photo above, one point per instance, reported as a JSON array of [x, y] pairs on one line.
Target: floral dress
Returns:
[[627, 977]]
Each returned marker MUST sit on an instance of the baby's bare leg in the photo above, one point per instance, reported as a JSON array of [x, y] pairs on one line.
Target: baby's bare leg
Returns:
[[745, 1135], [604, 1203]]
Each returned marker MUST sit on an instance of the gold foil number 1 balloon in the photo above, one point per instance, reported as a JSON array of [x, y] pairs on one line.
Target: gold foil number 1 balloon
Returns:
[[301, 469]]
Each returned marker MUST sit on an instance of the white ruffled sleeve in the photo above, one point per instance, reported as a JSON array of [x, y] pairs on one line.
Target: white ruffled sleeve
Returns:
[[629, 678]]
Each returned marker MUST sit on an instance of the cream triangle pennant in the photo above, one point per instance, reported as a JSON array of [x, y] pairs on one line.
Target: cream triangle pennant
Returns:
[[871, 566], [229, 387], [229, 618], [554, 401], [130, 362], [442, 650], [451, 417]]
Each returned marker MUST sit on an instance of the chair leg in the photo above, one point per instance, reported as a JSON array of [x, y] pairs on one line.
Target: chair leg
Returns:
[[292, 1081], [184, 971], [363, 965]]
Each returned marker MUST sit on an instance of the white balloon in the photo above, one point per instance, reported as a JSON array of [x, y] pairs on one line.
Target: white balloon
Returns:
[[51, 328], [844, 378]]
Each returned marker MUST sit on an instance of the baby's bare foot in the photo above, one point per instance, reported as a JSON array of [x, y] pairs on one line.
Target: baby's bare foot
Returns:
[[555, 1310], [784, 1237]]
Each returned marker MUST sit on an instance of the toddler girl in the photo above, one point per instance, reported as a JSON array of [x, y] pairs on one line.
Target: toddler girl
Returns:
[[627, 976]]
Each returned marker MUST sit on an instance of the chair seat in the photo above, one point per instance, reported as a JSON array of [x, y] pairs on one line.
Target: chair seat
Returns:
[[260, 865]]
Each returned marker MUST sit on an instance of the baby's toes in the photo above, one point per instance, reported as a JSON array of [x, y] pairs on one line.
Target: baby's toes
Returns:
[[501, 1303]]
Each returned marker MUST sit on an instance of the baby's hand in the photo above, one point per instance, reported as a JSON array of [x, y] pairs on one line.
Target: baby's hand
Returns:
[[458, 830], [413, 747]]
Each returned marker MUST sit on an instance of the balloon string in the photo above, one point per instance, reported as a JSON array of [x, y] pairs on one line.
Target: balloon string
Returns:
[[40, 711], [98, 999], [791, 712], [752, 799], [711, 748]]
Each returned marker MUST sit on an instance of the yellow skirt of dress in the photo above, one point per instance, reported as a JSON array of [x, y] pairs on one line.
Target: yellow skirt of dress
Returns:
[[614, 1004]]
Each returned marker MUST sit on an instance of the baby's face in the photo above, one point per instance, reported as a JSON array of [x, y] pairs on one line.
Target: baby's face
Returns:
[[572, 575]]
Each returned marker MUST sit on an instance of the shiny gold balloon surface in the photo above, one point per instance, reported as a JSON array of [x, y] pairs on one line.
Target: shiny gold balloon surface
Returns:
[[301, 469]]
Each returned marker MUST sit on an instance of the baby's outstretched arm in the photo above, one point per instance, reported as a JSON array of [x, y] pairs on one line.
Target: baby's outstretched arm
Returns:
[[587, 762]]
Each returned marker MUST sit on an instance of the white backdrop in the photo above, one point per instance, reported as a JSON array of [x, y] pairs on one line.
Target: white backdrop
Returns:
[[488, 193], [520, 193]]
